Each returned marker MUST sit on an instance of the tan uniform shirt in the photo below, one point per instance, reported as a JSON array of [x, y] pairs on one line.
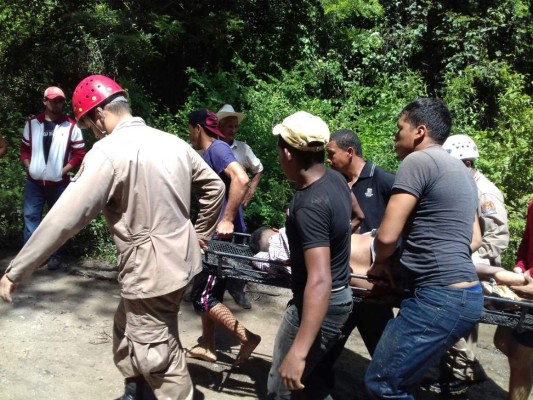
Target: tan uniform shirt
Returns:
[[141, 178], [493, 222]]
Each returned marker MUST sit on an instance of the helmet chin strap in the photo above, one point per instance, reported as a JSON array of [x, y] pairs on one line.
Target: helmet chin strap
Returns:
[[103, 133]]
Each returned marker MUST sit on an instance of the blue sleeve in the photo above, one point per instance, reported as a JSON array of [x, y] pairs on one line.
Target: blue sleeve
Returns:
[[221, 156]]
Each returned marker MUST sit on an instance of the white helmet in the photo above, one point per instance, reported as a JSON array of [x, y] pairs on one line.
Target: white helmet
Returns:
[[461, 147]]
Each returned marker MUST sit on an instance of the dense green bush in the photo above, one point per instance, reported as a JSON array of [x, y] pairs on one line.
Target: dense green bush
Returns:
[[354, 63]]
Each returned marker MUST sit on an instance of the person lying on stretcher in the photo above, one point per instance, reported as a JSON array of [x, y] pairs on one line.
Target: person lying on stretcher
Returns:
[[272, 245]]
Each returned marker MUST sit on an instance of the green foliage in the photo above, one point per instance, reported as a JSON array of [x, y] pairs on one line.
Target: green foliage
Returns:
[[319, 87], [11, 189], [94, 241], [347, 9], [354, 63]]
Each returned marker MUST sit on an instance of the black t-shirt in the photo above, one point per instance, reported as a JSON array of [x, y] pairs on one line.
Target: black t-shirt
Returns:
[[320, 216], [48, 134], [372, 190]]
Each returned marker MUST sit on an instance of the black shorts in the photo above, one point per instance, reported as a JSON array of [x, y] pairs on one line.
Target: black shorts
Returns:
[[207, 291]]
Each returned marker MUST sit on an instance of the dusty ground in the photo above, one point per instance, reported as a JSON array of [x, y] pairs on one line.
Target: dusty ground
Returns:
[[56, 344]]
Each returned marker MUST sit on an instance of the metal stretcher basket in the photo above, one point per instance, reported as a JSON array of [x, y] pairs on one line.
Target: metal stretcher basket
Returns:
[[231, 259]]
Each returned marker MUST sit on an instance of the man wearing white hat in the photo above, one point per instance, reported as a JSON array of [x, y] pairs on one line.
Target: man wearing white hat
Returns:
[[229, 121]]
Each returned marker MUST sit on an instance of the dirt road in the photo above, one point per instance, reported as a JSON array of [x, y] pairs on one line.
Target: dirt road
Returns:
[[56, 344]]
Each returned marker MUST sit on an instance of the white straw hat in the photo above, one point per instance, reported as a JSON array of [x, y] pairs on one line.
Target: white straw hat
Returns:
[[228, 111]]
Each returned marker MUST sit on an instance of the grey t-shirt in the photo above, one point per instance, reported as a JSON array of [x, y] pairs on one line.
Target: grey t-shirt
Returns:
[[436, 238]]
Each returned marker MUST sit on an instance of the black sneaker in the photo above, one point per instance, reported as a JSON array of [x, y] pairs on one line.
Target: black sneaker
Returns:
[[451, 388]]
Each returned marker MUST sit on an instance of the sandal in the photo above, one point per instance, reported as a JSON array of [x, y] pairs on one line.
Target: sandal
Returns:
[[247, 349], [201, 353]]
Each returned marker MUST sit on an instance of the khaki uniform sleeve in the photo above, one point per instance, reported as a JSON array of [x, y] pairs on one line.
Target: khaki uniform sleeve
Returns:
[[77, 206], [210, 191], [494, 228]]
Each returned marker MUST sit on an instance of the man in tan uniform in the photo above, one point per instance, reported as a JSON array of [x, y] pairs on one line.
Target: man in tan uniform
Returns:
[[460, 368], [141, 178], [491, 207]]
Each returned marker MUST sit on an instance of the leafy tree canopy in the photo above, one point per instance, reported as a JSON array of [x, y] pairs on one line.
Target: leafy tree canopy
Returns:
[[355, 63]]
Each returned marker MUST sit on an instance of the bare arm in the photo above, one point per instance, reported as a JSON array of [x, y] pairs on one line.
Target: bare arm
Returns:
[[68, 216], [476, 235], [210, 192], [398, 210], [251, 189], [525, 291], [357, 214], [315, 304], [501, 275], [237, 190]]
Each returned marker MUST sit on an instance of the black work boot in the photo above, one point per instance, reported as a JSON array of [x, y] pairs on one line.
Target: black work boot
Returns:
[[137, 388], [130, 388]]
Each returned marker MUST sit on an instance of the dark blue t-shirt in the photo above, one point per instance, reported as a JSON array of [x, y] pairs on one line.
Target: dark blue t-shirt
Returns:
[[48, 135], [218, 156], [372, 190]]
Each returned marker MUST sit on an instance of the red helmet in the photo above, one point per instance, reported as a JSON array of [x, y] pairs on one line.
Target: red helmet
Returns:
[[91, 92]]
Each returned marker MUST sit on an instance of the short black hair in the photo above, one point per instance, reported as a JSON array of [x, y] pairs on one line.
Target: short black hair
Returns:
[[255, 239], [197, 117], [345, 139], [117, 104], [305, 159], [431, 112]]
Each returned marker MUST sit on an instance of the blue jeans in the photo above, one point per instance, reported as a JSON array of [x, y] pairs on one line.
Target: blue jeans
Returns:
[[35, 197], [427, 325], [340, 305]]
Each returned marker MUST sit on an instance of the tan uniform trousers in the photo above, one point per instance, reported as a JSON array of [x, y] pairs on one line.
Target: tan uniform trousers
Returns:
[[461, 362], [146, 342]]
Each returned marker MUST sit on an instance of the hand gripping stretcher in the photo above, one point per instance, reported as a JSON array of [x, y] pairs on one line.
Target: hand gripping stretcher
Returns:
[[234, 260]]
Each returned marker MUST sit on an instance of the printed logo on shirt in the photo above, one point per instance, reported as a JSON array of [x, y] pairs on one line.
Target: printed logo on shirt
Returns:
[[369, 193], [488, 208]]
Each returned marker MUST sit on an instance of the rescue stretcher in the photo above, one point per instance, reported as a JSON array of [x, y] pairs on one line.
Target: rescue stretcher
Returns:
[[234, 260]]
